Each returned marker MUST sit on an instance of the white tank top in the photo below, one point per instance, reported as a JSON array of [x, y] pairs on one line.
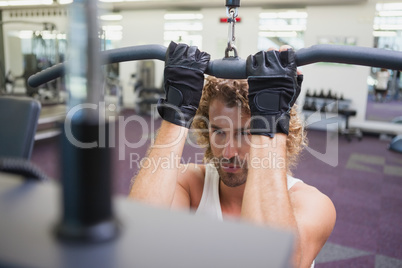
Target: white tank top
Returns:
[[210, 205]]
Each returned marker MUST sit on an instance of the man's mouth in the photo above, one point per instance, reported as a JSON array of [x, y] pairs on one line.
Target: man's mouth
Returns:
[[231, 168]]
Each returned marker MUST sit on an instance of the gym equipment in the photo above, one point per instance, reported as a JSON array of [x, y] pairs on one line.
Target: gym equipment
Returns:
[[17, 138], [22, 167], [347, 131], [151, 237], [396, 144], [325, 102], [146, 93], [329, 103], [235, 67], [232, 7], [43, 54], [397, 120]]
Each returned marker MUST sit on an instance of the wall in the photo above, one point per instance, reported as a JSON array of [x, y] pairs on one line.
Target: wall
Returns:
[[140, 28], [340, 21]]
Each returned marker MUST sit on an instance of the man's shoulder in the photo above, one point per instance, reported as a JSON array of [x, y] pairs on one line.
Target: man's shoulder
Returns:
[[305, 197], [303, 190]]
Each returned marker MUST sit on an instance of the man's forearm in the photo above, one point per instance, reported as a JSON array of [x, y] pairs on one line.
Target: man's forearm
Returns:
[[156, 181], [266, 199]]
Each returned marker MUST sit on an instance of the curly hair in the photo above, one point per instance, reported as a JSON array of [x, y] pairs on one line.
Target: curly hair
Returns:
[[235, 93]]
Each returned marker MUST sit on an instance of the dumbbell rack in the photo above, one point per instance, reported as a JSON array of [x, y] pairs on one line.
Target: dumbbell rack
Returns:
[[320, 111]]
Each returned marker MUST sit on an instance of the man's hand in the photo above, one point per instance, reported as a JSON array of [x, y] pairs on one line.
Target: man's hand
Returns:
[[183, 82], [274, 85]]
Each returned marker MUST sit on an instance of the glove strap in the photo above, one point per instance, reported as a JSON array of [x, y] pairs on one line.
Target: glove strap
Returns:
[[268, 125], [182, 116], [267, 118]]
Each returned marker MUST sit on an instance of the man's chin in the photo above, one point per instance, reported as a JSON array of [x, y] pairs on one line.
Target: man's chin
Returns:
[[233, 179]]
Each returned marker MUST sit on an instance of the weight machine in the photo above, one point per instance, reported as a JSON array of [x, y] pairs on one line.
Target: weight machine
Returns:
[[44, 53]]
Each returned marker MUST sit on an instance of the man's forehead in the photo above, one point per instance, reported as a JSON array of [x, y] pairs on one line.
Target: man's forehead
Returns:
[[220, 122], [224, 116], [229, 128], [217, 108]]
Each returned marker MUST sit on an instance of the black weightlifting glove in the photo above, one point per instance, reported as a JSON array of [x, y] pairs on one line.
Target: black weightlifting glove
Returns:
[[183, 82], [273, 89]]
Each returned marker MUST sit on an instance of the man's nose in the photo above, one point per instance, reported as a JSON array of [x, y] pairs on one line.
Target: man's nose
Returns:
[[231, 148]]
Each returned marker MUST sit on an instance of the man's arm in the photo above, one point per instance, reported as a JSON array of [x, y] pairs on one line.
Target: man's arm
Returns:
[[315, 216], [156, 184], [266, 199], [267, 183], [183, 82], [274, 86], [303, 209]]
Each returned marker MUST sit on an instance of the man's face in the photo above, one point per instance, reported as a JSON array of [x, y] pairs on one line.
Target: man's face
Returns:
[[230, 142]]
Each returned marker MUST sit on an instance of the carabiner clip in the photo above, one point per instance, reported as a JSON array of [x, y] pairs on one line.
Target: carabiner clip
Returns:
[[232, 14]]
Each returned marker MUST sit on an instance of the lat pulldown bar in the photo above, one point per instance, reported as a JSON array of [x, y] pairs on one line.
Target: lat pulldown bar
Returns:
[[235, 68]]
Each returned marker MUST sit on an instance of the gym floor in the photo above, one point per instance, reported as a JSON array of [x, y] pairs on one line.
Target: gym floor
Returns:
[[363, 179], [383, 111]]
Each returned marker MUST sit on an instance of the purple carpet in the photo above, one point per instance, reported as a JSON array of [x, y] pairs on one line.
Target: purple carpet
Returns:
[[363, 179]]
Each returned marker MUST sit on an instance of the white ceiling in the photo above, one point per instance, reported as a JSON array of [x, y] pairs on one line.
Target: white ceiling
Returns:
[[193, 4], [158, 4]]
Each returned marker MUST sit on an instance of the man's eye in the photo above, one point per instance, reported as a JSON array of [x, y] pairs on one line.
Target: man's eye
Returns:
[[245, 133], [218, 131]]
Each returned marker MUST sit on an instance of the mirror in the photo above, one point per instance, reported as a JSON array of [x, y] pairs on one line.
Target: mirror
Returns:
[[384, 101]]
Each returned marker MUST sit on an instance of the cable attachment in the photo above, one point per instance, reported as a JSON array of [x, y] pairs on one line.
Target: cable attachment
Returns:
[[232, 12]]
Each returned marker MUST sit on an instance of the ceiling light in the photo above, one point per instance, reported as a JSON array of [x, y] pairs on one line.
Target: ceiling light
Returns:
[[183, 27], [281, 28], [390, 13], [114, 35], [112, 28], [284, 15], [111, 1], [25, 34], [278, 34], [388, 27], [30, 2], [383, 33], [65, 2], [187, 16], [389, 6], [111, 17]]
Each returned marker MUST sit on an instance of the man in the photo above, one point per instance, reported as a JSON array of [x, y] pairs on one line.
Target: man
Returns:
[[252, 138]]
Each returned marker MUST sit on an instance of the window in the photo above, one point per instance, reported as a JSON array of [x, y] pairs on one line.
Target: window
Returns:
[[388, 26], [112, 31], [184, 28], [280, 27]]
